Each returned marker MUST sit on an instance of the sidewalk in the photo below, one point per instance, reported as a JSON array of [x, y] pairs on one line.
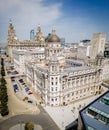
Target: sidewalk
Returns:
[[64, 115]]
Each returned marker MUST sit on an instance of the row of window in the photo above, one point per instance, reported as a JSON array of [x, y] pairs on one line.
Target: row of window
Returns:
[[80, 91], [54, 99], [54, 83], [98, 115], [54, 89]]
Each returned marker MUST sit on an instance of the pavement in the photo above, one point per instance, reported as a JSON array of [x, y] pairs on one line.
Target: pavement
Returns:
[[64, 115]]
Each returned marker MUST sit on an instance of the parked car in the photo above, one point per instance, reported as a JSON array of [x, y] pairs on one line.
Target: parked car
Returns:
[[21, 80], [29, 92], [16, 72], [12, 79], [15, 87], [23, 83], [8, 71], [27, 89], [29, 101], [25, 98]]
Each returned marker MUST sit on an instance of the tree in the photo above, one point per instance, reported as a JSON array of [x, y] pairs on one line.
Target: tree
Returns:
[[2, 72], [4, 110], [2, 61], [29, 126], [4, 97], [3, 81]]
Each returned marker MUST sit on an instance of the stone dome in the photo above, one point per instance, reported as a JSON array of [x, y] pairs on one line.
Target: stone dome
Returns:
[[53, 37]]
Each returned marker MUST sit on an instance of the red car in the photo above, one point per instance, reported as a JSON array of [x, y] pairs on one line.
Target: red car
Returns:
[[12, 78], [29, 93]]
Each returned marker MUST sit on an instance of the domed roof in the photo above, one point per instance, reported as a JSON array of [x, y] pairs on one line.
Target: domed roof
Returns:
[[53, 37]]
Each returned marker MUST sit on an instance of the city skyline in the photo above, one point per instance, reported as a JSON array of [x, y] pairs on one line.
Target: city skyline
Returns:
[[74, 20]]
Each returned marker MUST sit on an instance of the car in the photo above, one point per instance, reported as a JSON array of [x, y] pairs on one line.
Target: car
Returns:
[[29, 92], [29, 101], [16, 90], [8, 71], [23, 83], [21, 80], [25, 98], [15, 87], [12, 79], [15, 72], [27, 89]]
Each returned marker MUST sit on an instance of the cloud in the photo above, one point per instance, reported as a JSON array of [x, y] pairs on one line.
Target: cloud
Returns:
[[27, 14]]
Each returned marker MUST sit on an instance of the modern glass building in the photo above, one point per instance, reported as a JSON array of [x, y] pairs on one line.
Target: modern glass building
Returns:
[[32, 35], [95, 116]]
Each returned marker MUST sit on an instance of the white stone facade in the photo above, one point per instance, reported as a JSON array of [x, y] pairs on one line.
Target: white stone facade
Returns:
[[20, 57], [53, 73], [61, 81]]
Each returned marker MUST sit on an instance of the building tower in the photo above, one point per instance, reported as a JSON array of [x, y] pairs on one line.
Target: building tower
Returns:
[[97, 45], [32, 36], [53, 51], [53, 46], [39, 37], [12, 39]]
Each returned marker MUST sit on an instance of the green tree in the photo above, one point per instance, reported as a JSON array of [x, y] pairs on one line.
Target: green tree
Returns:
[[4, 97], [3, 81], [2, 72], [2, 61], [29, 126], [4, 110]]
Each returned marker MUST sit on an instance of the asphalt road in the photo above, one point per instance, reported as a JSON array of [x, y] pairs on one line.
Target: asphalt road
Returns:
[[42, 119]]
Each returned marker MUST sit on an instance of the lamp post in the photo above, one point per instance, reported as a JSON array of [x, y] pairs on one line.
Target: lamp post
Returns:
[[62, 117], [20, 123]]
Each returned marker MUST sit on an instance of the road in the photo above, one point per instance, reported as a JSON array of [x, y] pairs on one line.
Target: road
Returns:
[[42, 119]]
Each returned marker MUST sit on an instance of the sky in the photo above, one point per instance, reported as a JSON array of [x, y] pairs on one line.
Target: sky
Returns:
[[73, 20]]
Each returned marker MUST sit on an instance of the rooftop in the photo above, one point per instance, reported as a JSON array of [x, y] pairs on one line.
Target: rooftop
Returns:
[[95, 116]]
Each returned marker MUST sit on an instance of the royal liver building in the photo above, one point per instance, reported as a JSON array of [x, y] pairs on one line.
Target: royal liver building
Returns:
[[60, 80]]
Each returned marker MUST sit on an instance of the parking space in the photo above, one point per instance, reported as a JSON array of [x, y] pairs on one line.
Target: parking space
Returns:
[[21, 89]]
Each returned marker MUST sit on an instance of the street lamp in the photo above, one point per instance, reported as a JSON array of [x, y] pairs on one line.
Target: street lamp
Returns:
[[62, 117], [20, 123]]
